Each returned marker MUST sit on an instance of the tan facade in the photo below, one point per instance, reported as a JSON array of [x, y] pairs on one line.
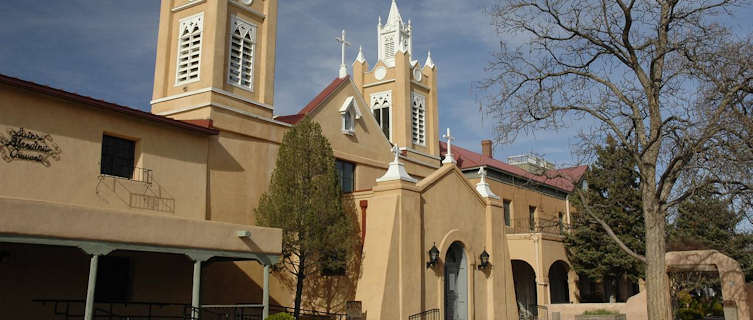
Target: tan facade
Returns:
[[205, 154]]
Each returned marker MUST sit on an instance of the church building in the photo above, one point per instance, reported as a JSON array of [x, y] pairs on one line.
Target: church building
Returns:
[[106, 210]]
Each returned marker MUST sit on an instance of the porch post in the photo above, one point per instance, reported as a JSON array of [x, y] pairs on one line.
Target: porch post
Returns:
[[196, 293], [88, 313], [265, 301]]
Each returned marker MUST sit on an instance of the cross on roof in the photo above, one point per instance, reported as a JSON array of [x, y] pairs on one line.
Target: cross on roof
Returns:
[[448, 157], [482, 174], [396, 151], [344, 43]]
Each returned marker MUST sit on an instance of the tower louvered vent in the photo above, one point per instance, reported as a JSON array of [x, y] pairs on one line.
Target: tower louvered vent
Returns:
[[189, 49], [242, 45], [419, 119]]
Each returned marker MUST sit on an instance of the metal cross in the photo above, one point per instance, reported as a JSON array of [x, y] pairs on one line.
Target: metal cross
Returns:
[[396, 151], [449, 141], [482, 174], [344, 43]]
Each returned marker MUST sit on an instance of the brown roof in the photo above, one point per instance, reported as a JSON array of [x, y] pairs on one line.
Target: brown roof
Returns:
[[315, 103], [562, 179], [104, 105]]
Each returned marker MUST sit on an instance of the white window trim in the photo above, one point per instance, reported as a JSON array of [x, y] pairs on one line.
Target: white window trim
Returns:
[[414, 96], [375, 95], [349, 104], [254, 27], [200, 17]]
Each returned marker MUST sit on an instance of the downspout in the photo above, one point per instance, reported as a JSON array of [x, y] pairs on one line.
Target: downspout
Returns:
[[364, 204]]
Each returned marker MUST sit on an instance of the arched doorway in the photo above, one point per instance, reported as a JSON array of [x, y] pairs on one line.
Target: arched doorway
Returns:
[[525, 289], [456, 283], [559, 292]]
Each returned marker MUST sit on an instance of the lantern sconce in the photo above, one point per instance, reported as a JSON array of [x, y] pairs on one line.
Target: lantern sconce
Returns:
[[433, 256], [484, 257]]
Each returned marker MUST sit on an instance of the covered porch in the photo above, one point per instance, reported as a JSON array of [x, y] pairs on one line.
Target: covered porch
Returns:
[[64, 262]]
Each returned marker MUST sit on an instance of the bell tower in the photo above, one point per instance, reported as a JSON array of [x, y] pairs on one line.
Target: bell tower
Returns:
[[215, 54], [402, 94], [393, 36]]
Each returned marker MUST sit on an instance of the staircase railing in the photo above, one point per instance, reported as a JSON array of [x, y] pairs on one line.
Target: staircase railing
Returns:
[[432, 314]]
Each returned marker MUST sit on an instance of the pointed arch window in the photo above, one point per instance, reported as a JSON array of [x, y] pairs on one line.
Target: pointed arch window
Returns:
[[381, 105], [189, 49], [418, 122], [242, 48], [349, 113]]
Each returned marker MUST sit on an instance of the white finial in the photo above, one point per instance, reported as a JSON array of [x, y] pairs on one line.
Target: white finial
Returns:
[[482, 174], [396, 170], [360, 58], [429, 63], [483, 187], [380, 20], [344, 43], [448, 158]]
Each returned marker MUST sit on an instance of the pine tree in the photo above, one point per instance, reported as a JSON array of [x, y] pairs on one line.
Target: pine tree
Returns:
[[614, 197], [706, 221], [304, 199]]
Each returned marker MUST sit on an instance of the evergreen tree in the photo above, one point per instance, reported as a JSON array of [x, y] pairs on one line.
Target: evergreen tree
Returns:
[[304, 199], [706, 221], [614, 197]]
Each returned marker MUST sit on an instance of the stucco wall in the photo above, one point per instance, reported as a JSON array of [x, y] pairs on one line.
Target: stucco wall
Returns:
[[176, 157]]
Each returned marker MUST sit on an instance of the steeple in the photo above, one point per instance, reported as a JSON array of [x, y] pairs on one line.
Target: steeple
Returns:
[[394, 35], [394, 18]]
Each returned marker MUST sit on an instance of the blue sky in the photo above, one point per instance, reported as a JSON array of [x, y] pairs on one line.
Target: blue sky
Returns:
[[106, 49]]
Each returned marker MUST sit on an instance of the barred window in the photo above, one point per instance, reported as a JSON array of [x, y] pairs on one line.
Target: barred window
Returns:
[[189, 49], [419, 119], [242, 47]]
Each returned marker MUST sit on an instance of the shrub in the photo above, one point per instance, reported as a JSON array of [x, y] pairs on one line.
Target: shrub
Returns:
[[600, 312], [280, 316]]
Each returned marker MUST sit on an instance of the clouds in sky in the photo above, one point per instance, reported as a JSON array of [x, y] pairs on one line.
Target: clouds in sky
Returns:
[[106, 49]]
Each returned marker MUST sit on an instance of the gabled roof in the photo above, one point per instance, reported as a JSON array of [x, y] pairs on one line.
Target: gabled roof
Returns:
[[562, 179], [200, 127], [315, 103]]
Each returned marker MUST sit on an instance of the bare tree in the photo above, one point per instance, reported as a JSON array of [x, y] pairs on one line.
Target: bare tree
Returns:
[[665, 78]]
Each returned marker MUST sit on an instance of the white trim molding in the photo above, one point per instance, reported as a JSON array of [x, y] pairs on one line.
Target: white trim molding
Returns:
[[188, 5], [420, 85], [224, 107], [378, 83], [248, 9], [215, 90]]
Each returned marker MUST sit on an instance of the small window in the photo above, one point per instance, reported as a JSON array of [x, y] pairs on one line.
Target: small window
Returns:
[[114, 276], [117, 157], [532, 218], [346, 172], [189, 49], [348, 121], [561, 221], [242, 47], [506, 204], [349, 113]]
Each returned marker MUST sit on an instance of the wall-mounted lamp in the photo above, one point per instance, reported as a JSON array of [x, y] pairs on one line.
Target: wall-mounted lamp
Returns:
[[433, 256], [484, 257]]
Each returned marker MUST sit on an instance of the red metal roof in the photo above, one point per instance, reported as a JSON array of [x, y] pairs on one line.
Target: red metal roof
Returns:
[[315, 103], [104, 105], [562, 179]]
